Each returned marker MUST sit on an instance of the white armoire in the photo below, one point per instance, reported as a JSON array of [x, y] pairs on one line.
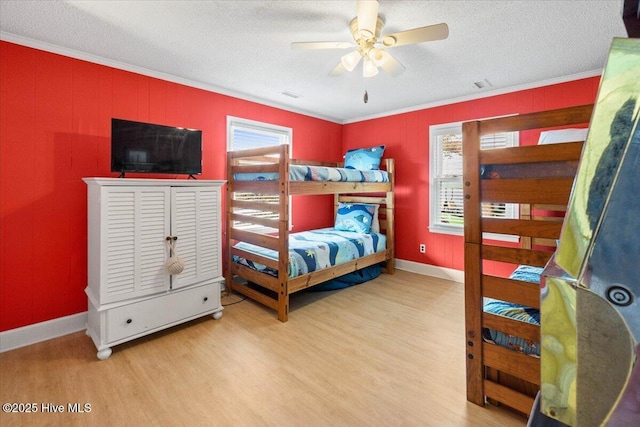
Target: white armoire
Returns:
[[130, 224]]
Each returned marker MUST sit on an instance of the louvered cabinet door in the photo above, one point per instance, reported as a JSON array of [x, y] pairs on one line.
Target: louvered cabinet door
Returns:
[[195, 221], [135, 226]]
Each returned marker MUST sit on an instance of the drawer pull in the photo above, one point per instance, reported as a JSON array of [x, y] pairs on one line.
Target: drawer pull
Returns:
[[129, 321], [205, 299]]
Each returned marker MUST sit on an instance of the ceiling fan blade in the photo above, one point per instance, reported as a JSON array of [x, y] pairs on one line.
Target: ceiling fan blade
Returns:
[[417, 35], [338, 70], [392, 66], [320, 45], [367, 13]]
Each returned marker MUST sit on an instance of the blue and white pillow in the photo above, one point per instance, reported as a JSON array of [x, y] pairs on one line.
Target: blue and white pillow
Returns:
[[364, 159], [354, 217]]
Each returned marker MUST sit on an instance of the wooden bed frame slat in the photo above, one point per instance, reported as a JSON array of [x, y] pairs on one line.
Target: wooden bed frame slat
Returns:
[[273, 150], [521, 227], [262, 279], [249, 219], [534, 190], [257, 168], [512, 362], [256, 295], [258, 187], [518, 401], [540, 179], [544, 242], [510, 326], [314, 163], [362, 199], [533, 154], [258, 206], [264, 240], [271, 263], [516, 291], [531, 257], [311, 187], [543, 119], [302, 282]]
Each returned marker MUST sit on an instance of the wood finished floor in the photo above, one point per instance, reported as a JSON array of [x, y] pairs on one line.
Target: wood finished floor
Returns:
[[389, 352]]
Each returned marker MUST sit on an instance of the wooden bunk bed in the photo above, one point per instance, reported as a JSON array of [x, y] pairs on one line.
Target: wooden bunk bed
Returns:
[[268, 225], [539, 178]]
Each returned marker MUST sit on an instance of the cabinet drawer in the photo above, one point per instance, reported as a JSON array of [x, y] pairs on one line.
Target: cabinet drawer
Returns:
[[145, 316]]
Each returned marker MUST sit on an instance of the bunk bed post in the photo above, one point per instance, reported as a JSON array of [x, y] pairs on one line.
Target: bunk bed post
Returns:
[[283, 233], [229, 223], [472, 261], [390, 264]]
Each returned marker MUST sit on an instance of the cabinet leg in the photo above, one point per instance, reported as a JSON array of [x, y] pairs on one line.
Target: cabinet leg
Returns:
[[217, 315], [104, 353]]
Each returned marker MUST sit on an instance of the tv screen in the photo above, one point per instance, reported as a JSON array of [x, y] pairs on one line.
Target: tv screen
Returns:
[[151, 148]]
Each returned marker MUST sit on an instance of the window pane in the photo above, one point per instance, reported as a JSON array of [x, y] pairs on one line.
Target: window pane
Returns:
[[450, 199], [451, 155], [244, 139], [446, 177]]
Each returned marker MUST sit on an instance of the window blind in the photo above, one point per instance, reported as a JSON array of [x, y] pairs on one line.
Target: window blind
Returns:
[[446, 178]]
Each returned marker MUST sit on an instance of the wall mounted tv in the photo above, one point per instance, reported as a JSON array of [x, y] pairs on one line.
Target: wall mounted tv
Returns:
[[151, 148]]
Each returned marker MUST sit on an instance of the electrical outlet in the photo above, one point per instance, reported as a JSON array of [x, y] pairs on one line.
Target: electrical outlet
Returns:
[[423, 248]]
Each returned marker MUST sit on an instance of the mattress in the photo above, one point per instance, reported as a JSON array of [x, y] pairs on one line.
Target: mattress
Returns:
[[318, 173], [317, 249], [515, 311]]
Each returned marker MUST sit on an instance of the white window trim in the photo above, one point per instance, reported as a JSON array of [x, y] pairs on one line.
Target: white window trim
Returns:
[[456, 230], [285, 135]]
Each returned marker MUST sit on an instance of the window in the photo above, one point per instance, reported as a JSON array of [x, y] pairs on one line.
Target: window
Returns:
[[446, 203], [245, 134]]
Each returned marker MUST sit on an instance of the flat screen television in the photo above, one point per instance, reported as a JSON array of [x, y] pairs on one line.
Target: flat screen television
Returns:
[[151, 148]]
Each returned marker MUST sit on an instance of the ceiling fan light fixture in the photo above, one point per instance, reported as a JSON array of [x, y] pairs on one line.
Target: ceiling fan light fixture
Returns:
[[350, 60], [369, 69], [377, 56], [389, 41]]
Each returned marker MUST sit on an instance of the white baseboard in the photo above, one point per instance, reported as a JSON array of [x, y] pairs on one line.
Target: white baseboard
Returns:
[[31, 334], [430, 270]]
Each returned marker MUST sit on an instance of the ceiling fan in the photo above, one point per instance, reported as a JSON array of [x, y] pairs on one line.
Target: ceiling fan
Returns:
[[366, 30]]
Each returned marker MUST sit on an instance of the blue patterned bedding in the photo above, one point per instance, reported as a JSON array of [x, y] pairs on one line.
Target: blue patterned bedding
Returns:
[[515, 311], [318, 173], [317, 249]]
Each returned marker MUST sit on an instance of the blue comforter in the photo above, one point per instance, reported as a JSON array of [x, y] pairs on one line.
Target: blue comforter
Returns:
[[319, 173], [317, 249]]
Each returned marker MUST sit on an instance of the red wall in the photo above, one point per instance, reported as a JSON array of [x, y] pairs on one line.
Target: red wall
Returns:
[[55, 126], [55, 117], [406, 137]]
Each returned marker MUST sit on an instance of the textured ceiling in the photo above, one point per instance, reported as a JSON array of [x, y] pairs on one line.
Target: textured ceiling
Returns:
[[242, 48]]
